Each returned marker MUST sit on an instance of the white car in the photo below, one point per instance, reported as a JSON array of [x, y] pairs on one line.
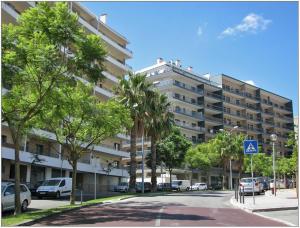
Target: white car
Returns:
[[181, 185], [199, 186], [122, 187], [8, 196], [57, 187], [247, 184]]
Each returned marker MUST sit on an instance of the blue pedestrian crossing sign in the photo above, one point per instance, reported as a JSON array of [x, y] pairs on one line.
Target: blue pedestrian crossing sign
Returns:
[[250, 147]]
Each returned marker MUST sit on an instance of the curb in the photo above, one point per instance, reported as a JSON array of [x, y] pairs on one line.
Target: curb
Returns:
[[254, 211]]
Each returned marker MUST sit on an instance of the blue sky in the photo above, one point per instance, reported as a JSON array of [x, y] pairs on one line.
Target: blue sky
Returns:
[[255, 41]]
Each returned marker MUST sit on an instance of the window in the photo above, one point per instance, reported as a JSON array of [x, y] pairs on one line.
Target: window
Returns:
[[177, 82], [62, 183], [183, 98], [237, 102], [193, 101], [117, 146], [10, 190], [39, 148], [238, 113], [23, 188], [177, 109], [177, 95], [3, 139]]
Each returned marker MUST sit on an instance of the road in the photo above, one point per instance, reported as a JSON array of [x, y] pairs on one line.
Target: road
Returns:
[[176, 209]]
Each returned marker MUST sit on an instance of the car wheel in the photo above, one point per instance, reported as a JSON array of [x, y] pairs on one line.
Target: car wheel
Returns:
[[187, 189], [40, 197], [58, 195], [24, 205]]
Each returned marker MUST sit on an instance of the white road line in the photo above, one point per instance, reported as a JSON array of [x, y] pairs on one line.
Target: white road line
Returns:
[[157, 221]]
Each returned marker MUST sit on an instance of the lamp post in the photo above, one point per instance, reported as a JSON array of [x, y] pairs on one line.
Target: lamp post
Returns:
[[273, 138], [230, 166]]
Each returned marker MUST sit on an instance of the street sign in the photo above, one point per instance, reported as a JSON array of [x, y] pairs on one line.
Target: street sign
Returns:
[[250, 147]]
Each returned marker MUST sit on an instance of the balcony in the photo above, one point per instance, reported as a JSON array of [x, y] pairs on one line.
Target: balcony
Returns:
[[213, 119], [241, 116], [188, 88], [190, 127], [271, 123], [268, 113], [187, 101], [119, 64], [214, 107], [242, 94], [112, 43], [189, 114], [110, 77], [257, 130], [214, 96]]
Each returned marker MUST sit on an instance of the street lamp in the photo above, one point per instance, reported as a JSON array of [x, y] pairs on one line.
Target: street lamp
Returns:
[[273, 138]]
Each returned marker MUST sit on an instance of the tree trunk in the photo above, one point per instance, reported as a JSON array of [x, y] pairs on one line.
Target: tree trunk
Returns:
[[133, 134], [170, 172], [153, 164], [17, 177], [74, 174]]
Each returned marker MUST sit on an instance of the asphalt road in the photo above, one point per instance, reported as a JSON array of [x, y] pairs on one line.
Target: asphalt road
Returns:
[[177, 209]]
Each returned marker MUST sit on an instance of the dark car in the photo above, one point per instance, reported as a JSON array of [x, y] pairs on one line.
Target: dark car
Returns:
[[266, 185], [147, 187], [163, 187], [215, 187], [34, 187]]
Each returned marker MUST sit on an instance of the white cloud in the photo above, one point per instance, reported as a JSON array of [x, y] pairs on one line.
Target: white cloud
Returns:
[[200, 31], [250, 24], [250, 82]]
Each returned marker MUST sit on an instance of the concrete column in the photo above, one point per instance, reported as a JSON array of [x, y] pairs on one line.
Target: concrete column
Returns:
[[209, 180], [28, 174], [48, 172], [6, 169]]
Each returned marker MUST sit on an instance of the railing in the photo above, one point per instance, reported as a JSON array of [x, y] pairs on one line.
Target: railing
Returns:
[[241, 94], [190, 114], [210, 106], [253, 119], [213, 95], [269, 123], [255, 129], [186, 101], [234, 114], [269, 113], [214, 119], [195, 128], [189, 88]]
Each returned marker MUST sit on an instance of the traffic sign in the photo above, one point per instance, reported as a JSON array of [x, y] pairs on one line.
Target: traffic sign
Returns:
[[250, 147]]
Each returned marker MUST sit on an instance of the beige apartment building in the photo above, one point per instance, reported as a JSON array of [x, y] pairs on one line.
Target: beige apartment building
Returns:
[[204, 104], [43, 159]]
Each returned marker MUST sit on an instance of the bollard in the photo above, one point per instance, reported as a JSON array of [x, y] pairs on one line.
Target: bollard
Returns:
[[243, 195], [240, 192]]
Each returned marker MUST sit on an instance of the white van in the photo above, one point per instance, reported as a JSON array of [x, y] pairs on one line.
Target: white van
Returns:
[[57, 187], [181, 185]]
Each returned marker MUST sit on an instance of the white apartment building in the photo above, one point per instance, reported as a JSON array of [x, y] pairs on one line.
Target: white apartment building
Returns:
[[43, 158], [204, 104]]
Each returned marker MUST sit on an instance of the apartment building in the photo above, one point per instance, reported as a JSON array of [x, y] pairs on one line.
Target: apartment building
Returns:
[[204, 104], [42, 159]]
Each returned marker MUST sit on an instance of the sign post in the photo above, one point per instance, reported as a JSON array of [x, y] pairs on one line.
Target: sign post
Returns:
[[250, 147]]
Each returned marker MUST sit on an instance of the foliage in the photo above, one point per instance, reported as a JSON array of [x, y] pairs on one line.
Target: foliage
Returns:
[[80, 121], [36, 59], [261, 164], [132, 92], [201, 157]]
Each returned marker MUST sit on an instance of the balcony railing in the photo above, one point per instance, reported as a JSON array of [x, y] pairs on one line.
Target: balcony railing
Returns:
[[186, 101], [213, 107], [243, 94], [188, 88], [213, 95], [190, 114], [190, 127], [259, 130], [214, 119], [235, 114]]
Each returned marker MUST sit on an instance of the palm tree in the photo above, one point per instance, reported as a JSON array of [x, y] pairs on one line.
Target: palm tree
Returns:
[[132, 92], [159, 122]]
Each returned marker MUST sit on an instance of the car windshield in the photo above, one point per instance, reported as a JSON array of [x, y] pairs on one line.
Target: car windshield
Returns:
[[51, 183], [176, 182], [248, 180], [2, 187]]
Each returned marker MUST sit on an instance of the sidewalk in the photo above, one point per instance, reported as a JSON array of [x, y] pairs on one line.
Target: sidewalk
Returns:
[[286, 199]]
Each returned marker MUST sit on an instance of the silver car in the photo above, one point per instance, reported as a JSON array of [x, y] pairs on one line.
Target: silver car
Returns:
[[8, 196], [246, 185]]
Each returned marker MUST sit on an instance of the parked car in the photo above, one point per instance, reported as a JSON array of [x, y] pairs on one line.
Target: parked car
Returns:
[[122, 187], [8, 196], [246, 185], [216, 186], [34, 187], [181, 185], [163, 187], [55, 187], [147, 187], [279, 183], [199, 186]]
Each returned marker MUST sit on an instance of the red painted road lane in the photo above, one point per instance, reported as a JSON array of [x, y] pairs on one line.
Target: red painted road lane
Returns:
[[123, 215]]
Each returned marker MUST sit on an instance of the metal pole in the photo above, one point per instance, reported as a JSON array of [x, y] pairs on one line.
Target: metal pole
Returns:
[[95, 179], [274, 173], [230, 175], [61, 159], [143, 163], [252, 182]]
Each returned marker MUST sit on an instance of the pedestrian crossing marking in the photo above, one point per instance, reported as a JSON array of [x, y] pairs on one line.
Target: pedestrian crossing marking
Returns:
[[250, 148]]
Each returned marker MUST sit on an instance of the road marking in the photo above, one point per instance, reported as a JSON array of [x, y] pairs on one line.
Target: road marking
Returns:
[[157, 221]]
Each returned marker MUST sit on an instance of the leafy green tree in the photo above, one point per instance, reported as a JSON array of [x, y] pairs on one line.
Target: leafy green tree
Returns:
[[172, 150], [201, 157], [132, 92], [261, 164], [293, 142], [159, 122], [35, 59], [80, 121]]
